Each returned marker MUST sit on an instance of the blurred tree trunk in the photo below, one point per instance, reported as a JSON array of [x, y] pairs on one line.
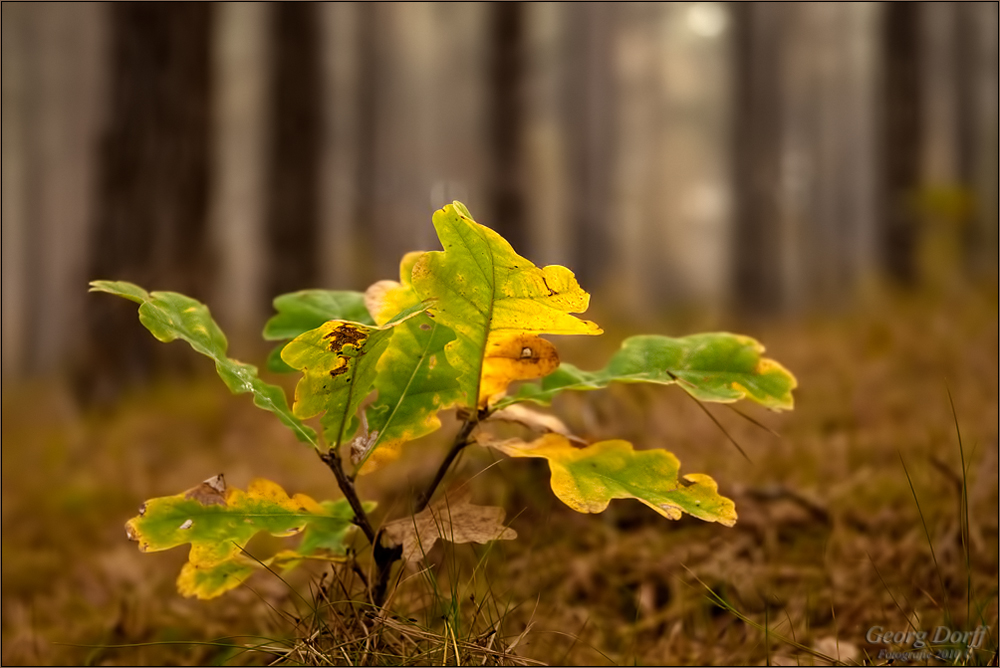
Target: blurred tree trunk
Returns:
[[423, 126], [370, 70], [589, 101], [14, 199], [340, 171], [150, 222], [506, 122], [547, 141], [758, 113], [976, 38], [828, 197], [902, 148], [240, 132], [293, 181]]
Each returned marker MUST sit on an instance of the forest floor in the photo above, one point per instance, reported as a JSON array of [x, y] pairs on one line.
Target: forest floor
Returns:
[[830, 543]]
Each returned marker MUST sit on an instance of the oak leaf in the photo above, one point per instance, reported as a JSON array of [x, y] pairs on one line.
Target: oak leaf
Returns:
[[414, 379], [497, 303], [298, 312], [717, 367], [218, 521], [452, 518], [587, 479]]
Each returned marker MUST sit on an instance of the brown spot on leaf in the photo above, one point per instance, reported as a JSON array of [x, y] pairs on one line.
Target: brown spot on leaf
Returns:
[[345, 335], [210, 492], [552, 292]]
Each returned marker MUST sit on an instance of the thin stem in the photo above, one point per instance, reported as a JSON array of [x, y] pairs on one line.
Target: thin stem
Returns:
[[385, 557], [461, 440], [332, 459]]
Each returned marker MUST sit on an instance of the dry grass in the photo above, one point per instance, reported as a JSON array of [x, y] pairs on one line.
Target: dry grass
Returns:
[[830, 541]]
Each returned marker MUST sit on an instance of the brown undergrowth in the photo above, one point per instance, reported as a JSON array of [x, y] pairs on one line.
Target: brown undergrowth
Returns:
[[830, 540]]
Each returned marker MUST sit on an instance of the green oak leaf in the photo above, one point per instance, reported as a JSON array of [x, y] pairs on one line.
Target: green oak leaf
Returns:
[[219, 521], [338, 361], [414, 379], [298, 312], [495, 300], [170, 316], [717, 367], [587, 479]]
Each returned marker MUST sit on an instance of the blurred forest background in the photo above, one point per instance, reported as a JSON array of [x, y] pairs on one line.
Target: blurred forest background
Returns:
[[756, 158], [821, 176]]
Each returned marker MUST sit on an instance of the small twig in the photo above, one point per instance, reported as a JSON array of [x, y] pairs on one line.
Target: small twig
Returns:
[[775, 492], [332, 459], [461, 440]]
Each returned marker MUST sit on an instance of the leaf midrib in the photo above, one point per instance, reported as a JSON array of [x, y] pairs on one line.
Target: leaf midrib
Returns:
[[492, 279], [405, 393]]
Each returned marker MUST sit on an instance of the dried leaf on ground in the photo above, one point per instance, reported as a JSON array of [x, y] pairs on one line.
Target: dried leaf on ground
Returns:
[[452, 518]]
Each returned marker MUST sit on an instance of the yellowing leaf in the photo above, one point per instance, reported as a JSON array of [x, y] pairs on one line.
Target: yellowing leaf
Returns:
[[385, 299], [480, 288], [587, 479], [338, 361], [719, 367], [207, 581], [514, 356], [414, 378], [452, 518], [298, 312], [218, 522]]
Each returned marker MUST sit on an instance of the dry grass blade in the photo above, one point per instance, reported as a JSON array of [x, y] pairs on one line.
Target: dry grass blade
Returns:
[[927, 534], [718, 424], [764, 628]]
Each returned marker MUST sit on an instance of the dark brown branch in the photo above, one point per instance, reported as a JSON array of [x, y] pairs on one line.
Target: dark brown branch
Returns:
[[332, 459], [384, 556]]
